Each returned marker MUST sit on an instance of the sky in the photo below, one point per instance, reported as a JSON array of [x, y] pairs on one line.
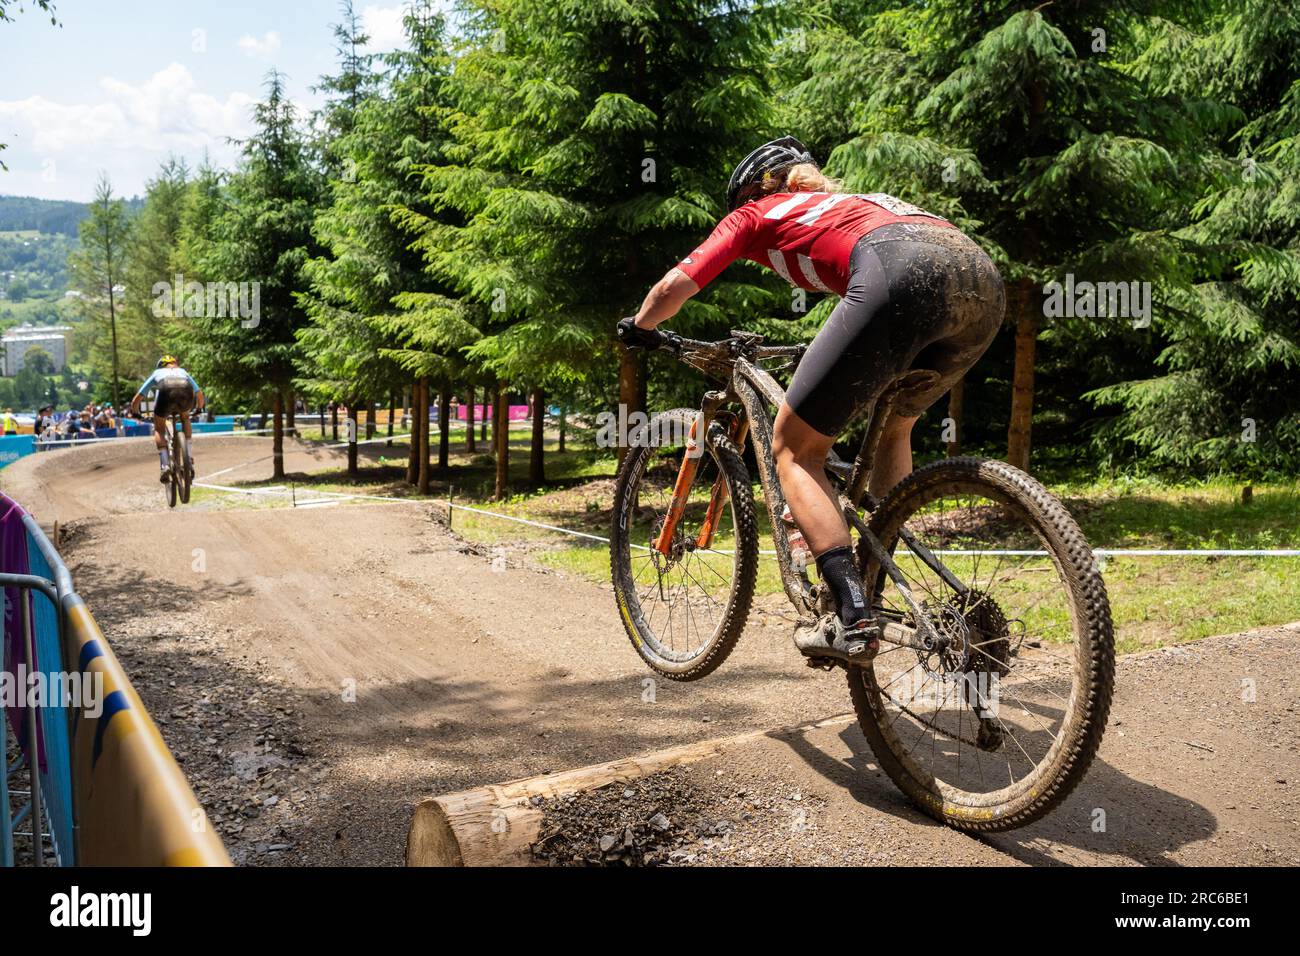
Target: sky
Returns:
[[122, 85]]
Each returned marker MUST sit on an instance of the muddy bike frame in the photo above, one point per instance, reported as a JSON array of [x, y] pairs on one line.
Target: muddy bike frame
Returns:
[[735, 361]]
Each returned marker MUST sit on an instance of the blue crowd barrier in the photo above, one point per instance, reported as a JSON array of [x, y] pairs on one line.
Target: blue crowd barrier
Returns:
[[108, 791], [55, 716], [13, 447]]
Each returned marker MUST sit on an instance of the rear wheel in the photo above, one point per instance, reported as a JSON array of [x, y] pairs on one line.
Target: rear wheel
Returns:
[[685, 610], [181, 465], [996, 724]]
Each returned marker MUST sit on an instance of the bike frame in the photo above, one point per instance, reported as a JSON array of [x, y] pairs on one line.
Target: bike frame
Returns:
[[754, 389]]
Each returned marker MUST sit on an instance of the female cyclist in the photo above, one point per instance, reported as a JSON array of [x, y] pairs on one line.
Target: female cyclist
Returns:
[[915, 294]]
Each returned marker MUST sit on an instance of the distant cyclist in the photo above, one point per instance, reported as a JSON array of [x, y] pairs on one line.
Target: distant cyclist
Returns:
[[915, 294], [177, 394]]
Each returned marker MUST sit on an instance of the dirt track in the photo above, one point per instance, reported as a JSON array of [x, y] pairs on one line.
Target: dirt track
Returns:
[[319, 669]]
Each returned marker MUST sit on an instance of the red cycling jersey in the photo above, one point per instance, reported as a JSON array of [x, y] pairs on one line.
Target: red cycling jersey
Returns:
[[805, 237]]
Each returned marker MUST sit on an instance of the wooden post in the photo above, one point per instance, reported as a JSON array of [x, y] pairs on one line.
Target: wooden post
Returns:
[[497, 825], [444, 428], [629, 388], [352, 439], [413, 458], [422, 415], [537, 453], [277, 443], [501, 438], [469, 421], [1019, 432]]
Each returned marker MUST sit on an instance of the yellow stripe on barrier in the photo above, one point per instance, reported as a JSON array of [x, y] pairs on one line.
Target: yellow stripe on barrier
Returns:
[[133, 804]]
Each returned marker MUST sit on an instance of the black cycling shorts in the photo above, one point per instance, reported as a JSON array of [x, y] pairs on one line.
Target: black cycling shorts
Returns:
[[174, 398], [921, 298]]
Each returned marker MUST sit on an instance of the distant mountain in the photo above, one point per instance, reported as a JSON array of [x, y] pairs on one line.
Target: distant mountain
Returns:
[[20, 213], [44, 215]]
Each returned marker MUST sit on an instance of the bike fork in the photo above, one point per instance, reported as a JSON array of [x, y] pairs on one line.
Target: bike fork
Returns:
[[686, 474]]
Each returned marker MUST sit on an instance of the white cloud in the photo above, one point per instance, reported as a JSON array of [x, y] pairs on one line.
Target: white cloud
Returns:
[[128, 129], [262, 48], [383, 25]]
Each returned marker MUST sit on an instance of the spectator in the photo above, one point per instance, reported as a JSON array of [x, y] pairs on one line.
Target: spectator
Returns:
[[10, 424]]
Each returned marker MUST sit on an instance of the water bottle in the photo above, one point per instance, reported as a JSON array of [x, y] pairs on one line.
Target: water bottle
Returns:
[[799, 553]]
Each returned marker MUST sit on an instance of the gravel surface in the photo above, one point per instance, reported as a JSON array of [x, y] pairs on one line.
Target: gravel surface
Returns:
[[318, 671]]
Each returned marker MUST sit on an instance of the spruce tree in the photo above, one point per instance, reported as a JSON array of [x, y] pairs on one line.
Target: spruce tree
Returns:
[[1023, 123], [593, 142], [97, 269], [262, 234]]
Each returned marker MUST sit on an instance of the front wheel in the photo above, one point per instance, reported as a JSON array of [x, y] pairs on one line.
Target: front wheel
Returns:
[[683, 610], [994, 725]]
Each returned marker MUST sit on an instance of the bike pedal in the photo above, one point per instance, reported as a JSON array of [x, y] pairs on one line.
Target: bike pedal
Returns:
[[821, 663]]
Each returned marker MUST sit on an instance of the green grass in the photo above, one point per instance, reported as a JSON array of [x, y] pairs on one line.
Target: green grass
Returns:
[[1154, 600]]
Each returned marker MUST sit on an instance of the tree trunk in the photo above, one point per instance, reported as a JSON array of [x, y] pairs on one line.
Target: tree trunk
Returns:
[[334, 421], [469, 421], [392, 413], [501, 439], [629, 389], [112, 321], [563, 416], [413, 458], [537, 453], [498, 825], [291, 412], [1022, 380], [483, 426], [956, 409], [422, 414], [321, 410], [261, 419], [444, 428], [371, 415], [352, 439], [277, 441]]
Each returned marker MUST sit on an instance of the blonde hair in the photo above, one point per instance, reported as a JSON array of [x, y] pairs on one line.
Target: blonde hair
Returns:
[[803, 178]]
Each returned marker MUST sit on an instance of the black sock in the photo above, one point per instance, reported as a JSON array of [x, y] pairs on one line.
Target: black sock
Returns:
[[836, 569]]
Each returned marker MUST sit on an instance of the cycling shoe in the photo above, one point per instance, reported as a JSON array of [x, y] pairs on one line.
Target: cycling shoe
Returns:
[[829, 639]]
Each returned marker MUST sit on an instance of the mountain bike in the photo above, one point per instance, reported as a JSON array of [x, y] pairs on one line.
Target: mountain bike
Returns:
[[990, 694], [179, 474]]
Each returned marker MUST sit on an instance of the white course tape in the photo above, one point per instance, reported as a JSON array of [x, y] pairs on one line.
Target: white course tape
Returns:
[[91, 441], [332, 497]]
